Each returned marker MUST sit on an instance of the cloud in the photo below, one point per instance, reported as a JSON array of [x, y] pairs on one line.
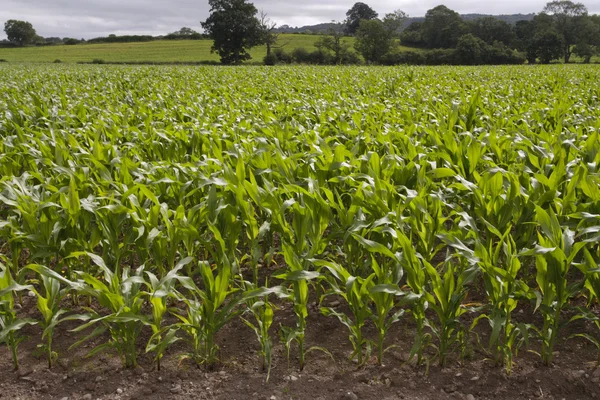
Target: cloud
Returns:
[[92, 18]]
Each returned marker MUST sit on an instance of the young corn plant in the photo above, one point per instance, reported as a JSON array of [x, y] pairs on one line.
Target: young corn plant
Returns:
[[159, 292], [591, 270], [388, 300], [500, 267], [298, 278], [385, 294], [49, 298], [258, 305], [356, 293], [554, 256], [416, 279], [448, 289], [10, 323], [208, 309], [122, 296]]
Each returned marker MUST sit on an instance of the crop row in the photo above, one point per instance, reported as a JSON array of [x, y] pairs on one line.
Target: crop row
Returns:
[[213, 193]]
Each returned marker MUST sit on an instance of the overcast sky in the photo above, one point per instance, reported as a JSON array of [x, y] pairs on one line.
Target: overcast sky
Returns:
[[93, 18]]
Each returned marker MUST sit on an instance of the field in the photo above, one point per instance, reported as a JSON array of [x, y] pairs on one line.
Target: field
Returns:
[[158, 51], [299, 232]]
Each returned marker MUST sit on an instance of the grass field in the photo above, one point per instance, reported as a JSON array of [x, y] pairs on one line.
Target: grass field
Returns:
[[159, 51]]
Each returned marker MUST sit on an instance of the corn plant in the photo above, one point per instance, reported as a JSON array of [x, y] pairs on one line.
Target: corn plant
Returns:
[[448, 290], [159, 292], [417, 278], [591, 270], [355, 291], [298, 278], [261, 309], [49, 298], [10, 323], [208, 309], [123, 297], [500, 266], [554, 256]]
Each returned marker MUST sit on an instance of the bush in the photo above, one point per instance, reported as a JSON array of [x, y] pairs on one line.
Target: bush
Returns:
[[351, 58], [71, 41], [440, 57], [283, 57], [57, 61], [499, 54], [403, 58], [122, 39], [98, 61], [300, 55], [2, 60], [270, 59]]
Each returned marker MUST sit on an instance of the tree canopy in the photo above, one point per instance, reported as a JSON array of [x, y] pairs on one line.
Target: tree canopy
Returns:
[[358, 12], [234, 28], [19, 32]]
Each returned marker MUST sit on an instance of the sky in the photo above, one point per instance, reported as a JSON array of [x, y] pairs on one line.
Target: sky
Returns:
[[93, 18]]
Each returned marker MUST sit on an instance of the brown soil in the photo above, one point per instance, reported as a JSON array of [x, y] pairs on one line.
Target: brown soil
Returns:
[[572, 376]]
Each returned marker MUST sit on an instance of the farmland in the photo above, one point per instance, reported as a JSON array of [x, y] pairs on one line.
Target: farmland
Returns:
[[365, 228], [157, 51]]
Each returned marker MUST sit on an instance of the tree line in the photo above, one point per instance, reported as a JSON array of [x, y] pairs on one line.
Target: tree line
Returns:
[[22, 33], [562, 29]]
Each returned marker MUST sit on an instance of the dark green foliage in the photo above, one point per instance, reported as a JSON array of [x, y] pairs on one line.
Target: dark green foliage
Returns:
[[490, 30], [358, 12], [547, 46], [470, 50], [270, 59], [373, 40], [442, 28], [234, 28], [403, 58], [19, 32], [283, 57]]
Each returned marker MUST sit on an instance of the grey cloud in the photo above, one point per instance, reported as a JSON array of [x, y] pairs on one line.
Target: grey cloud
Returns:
[[91, 18]]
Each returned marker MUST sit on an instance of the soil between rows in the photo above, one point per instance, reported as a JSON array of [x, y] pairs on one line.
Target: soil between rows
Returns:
[[573, 375]]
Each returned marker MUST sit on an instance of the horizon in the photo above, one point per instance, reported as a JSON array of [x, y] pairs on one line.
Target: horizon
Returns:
[[93, 18]]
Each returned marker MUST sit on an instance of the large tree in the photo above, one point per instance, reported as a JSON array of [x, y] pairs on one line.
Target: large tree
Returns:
[[442, 28], [569, 21], [19, 32], [234, 28], [373, 40], [358, 12]]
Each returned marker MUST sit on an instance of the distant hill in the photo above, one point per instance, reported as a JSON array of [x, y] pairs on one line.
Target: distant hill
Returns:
[[320, 28]]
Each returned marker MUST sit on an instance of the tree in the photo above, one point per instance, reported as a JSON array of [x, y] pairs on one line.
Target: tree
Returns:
[[589, 41], [333, 42], [394, 21], [413, 35], [491, 29], [547, 45], [19, 32], [234, 28], [470, 49], [373, 40], [568, 20], [358, 12], [442, 27], [269, 35]]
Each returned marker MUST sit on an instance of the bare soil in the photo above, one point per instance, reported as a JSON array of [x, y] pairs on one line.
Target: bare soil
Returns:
[[573, 375]]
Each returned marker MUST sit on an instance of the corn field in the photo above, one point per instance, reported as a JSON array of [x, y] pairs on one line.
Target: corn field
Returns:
[[172, 201]]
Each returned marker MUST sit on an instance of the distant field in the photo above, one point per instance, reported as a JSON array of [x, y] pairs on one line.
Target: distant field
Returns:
[[158, 51]]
